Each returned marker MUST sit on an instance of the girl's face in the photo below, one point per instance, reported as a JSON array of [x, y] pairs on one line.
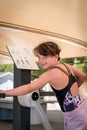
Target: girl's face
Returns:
[[47, 61]]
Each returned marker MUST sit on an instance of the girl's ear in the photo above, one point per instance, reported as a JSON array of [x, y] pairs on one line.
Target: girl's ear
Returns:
[[56, 56]]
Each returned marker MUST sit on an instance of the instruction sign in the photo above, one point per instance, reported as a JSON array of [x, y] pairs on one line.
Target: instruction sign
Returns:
[[22, 57]]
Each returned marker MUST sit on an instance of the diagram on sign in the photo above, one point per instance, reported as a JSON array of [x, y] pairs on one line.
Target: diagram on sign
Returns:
[[22, 57]]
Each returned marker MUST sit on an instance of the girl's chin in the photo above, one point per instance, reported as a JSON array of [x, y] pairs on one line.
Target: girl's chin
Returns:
[[44, 67]]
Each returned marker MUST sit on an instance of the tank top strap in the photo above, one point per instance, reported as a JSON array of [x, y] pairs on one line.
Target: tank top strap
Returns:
[[61, 70], [68, 69]]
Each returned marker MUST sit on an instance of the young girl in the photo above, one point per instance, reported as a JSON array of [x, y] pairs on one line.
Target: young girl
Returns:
[[65, 81]]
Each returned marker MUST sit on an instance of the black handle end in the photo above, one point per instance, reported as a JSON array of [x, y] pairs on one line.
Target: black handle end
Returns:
[[2, 95]]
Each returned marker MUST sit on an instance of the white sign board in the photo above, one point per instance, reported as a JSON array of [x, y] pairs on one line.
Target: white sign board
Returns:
[[23, 57]]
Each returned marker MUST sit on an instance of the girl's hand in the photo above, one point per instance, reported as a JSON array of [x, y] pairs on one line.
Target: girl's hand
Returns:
[[2, 95]]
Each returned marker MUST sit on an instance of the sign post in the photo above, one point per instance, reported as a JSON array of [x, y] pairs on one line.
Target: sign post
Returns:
[[24, 62], [21, 115]]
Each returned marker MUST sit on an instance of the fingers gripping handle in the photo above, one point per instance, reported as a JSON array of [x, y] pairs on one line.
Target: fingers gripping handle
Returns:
[[2, 95]]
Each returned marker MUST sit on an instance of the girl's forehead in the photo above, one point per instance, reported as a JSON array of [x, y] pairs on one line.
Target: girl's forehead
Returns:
[[42, 56]]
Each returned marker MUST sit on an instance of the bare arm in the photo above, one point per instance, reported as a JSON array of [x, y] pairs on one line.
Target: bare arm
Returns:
[[27, 88], [80, 76]]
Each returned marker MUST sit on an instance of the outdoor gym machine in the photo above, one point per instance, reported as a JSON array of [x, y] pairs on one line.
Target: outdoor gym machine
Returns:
[[23, 64]]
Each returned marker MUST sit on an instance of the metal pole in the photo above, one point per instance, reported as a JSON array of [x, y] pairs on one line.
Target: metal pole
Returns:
[[21, 115]]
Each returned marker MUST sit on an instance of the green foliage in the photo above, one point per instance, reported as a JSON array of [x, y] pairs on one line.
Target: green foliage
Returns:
[[67, 60], [6, 68]]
